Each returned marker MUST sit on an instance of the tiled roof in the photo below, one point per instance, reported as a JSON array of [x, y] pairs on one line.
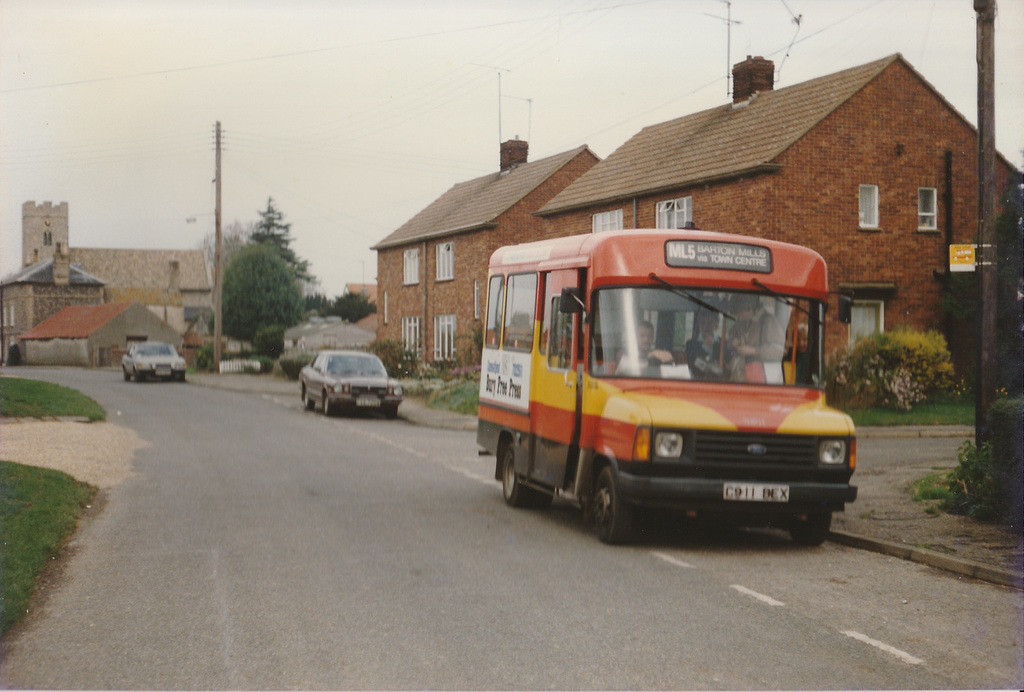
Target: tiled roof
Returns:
[[75, 321], [718, 143], [42, 273], [477, 203], [370, 290], [145, 268]]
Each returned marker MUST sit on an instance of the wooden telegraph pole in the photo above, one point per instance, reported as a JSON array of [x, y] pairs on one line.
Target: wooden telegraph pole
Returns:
[[987, 202], [217, 268]]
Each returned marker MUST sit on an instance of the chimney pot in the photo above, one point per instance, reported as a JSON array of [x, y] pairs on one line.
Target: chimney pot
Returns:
[[751, 76]]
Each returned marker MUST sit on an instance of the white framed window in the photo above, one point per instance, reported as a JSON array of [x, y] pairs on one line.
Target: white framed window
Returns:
[[675, 213], [444, 337], [411, 274], [411, 334], [445, 261], [869, 206], [476, 299], [608, 221], [385, 307], [927, 209], [867, 318]]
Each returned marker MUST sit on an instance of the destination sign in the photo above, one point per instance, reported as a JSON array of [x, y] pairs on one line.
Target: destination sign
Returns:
[[703, 254]]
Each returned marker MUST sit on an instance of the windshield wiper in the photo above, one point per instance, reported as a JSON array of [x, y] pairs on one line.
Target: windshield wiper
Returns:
[[690, 296], [778, 296]]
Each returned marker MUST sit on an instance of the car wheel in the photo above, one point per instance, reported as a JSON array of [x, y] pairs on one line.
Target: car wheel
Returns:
[[612, 516], [127, 377], [811, 531], [325, 404], [516, 494], [391, 412], [307, 400]]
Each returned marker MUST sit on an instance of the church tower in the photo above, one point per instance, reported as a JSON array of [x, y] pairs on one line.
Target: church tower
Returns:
[[44, 231]]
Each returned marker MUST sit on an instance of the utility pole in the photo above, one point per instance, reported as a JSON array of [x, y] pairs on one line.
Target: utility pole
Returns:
[[217, 268], [987, 200]]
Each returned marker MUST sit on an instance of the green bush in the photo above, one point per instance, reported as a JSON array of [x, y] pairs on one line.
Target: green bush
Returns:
[[292, 365], [269, 341], [896, 370], [461, 397], [397, 361], [266, 363], [204, 358], [987, 482]]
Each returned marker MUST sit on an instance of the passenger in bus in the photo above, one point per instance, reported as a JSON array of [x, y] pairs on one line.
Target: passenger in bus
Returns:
[[704, 351], [756, 337], [647, 360]]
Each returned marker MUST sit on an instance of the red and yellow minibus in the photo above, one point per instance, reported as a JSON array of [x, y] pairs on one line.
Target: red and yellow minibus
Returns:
[[670, 369]]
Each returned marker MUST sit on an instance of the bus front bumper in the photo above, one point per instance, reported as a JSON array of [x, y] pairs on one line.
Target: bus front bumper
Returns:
[[776, 497]]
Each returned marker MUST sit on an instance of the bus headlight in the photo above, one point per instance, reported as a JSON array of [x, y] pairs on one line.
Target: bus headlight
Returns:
[[668, 445], [832, 451]]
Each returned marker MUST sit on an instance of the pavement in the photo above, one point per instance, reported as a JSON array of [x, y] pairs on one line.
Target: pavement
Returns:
[[415, 411]]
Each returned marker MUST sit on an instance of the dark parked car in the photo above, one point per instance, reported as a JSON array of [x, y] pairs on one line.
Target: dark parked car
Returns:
[[349, 380], [152, 359]]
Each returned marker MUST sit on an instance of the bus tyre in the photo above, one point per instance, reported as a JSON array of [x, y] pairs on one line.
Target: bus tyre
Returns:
[[516, 494], [612, 516], [811, 531]]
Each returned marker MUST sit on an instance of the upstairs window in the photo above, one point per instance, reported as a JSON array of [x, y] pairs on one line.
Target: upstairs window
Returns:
[[411, 274], [608, 221], [675, 213], [927, 209], [869, 206], [445, 261]]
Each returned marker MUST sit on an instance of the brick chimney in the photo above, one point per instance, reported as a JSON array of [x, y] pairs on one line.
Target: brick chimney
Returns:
[[513, 153], [61, 266], [751, 76]]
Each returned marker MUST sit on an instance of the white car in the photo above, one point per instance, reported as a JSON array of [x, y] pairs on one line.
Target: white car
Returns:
[[152, 359]]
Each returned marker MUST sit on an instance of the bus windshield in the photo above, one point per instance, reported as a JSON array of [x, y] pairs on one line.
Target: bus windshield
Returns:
[[689, 333]]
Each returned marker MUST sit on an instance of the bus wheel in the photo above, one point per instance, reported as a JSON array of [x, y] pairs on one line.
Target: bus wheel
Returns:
[[612, 516], [516, 494], [811, 531]]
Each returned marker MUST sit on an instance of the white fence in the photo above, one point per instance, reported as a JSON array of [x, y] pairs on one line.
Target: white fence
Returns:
[[240, 365]]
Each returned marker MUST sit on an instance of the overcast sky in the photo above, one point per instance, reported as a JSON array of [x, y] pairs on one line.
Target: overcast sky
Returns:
[[355, 114]]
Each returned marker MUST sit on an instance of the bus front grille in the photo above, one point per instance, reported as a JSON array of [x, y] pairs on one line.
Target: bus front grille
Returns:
[[715, 447]]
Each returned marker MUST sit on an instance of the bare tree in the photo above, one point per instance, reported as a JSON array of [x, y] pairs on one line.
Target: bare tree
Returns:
[[234, 237]]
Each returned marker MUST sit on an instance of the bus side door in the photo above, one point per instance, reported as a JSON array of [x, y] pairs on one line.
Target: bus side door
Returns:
[[554, 416]]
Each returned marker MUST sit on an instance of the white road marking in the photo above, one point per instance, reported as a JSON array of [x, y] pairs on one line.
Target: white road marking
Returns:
[[902, 655], [672, 560], [759, 596], [470, 475]]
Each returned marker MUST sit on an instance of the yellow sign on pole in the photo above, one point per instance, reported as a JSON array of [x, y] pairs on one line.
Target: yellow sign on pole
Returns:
[[961, 258]]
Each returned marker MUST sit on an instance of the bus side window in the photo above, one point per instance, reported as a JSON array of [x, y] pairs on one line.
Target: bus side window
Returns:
[[494, 302], [521, 301]]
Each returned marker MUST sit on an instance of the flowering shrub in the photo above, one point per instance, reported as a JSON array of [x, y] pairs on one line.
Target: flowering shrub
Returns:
[[897, 370]]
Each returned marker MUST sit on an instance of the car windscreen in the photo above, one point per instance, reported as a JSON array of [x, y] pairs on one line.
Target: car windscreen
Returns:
[[154, 350], [355, 366]]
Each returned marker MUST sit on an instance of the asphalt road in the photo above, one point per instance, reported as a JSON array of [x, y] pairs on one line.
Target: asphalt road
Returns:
[[259, 546]]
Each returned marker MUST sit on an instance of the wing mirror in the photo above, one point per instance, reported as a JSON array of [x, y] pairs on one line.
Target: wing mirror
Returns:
[[845, 308], [570, 301]]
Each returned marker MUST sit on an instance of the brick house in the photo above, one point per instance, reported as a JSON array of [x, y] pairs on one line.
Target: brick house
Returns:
[[432, 271], [871, 167]]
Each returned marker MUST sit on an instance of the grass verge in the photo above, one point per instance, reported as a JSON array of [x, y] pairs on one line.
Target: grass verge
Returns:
[[39, 509], [946, 413], [461, 397], [22, 398]]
